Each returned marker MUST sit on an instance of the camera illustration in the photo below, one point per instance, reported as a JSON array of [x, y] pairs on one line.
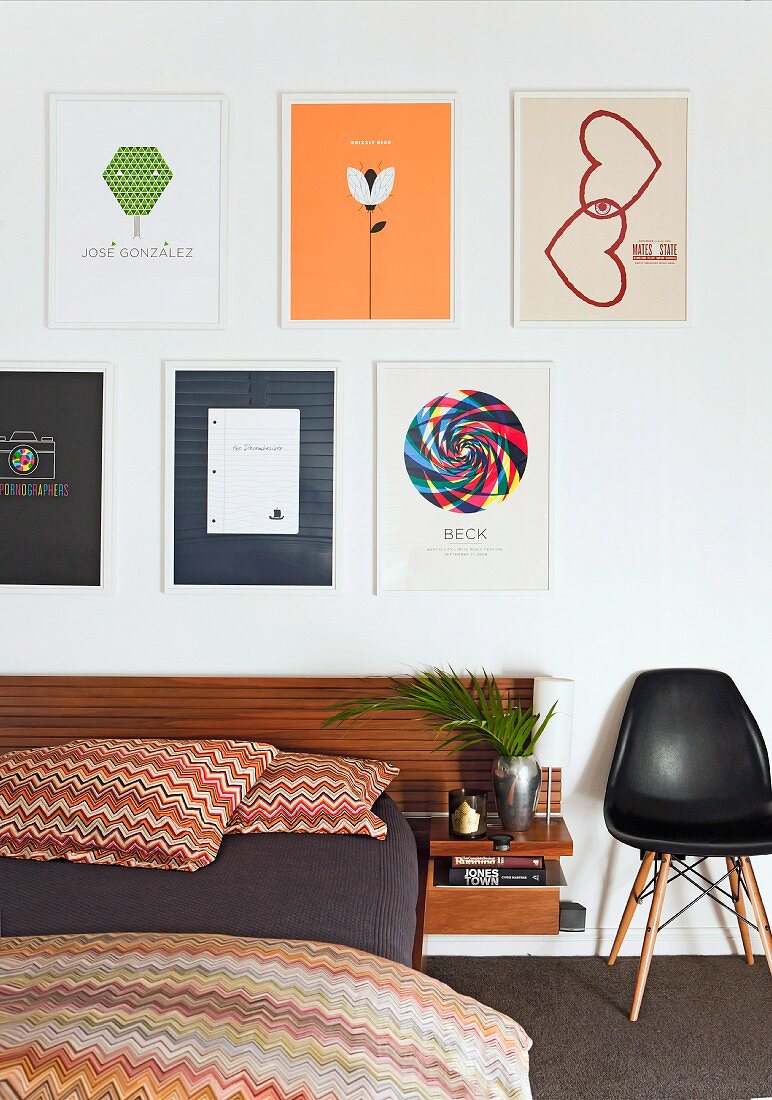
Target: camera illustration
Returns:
[[24, 456]]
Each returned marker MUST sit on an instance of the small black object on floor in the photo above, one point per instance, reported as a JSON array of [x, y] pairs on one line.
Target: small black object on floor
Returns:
[[703, 1033]]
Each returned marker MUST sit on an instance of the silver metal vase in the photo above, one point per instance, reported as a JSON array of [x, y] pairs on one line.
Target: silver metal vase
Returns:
[[516, 784]]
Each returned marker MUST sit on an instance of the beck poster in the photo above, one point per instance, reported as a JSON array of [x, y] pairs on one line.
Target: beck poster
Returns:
[[369, 209], [250, 475], [137, 209], [54, 471], [463, 477], [600, 207]]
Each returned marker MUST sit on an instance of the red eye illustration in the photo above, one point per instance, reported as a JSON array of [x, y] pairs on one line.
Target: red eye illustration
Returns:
[[602, 208]]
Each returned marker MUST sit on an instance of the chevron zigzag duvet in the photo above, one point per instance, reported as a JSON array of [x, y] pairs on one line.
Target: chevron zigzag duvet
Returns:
[[169, 1017]]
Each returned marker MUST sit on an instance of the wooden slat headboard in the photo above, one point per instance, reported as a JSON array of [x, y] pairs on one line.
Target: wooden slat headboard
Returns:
[[288, 712]]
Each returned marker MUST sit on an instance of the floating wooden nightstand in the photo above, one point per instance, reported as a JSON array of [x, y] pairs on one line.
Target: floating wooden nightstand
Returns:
[[488, 910]]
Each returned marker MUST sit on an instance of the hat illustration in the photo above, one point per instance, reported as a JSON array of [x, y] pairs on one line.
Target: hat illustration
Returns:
[[277, 514]]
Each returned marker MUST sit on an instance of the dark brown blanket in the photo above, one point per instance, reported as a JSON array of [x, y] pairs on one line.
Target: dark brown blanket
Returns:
[[350, 890]]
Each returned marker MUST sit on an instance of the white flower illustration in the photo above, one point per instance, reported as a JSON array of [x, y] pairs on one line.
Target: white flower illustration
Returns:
[[370, 188]]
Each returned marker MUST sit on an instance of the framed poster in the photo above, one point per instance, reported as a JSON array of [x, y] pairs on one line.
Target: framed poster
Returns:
[[369, 210], [56, 424], [137, 202], [464, 477], [250, 476], [600, 225]]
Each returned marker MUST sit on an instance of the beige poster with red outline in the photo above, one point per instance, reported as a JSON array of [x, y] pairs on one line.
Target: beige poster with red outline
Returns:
[[601, 208]]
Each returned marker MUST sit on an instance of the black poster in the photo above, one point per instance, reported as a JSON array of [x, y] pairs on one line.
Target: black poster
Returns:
[[51, 446], [254, 490]]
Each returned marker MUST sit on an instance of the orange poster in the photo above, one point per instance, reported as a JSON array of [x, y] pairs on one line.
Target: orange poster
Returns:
[[369, 210]]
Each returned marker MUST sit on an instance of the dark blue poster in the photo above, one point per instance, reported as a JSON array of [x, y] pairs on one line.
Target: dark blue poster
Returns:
[[254, 476]]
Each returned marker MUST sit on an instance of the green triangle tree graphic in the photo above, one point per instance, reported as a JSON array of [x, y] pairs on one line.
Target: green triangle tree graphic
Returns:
[[137, 176]]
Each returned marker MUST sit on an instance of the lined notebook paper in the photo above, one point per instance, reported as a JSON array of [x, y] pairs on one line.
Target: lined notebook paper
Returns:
[[254, 472]]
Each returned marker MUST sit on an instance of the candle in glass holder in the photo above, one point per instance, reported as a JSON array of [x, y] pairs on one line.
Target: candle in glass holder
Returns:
[[468, 813]]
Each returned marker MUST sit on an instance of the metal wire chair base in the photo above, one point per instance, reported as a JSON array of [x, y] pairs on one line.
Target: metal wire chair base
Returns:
[[687, 870]]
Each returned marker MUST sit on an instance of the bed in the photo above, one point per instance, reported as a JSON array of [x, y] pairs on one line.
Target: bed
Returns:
[[280, 971]]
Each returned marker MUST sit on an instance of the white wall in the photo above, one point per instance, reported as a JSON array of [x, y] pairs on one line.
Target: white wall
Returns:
[[663, 440]]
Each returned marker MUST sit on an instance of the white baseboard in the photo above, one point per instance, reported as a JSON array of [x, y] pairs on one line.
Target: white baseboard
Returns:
[[596, 941]]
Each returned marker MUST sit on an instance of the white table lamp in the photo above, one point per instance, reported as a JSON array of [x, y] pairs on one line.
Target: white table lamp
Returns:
[[553, 749]]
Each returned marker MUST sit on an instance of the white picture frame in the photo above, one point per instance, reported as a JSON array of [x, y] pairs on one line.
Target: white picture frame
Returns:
[[521, 95], [211, 269], [288, 100], [390, 469], [171, 368], [107, 499]]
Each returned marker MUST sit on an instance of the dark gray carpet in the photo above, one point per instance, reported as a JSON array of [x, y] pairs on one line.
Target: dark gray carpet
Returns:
[[704, 1032]]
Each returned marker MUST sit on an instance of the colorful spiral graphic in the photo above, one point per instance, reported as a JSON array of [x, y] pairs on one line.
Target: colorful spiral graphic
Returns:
[[23, 460], [465, 451]]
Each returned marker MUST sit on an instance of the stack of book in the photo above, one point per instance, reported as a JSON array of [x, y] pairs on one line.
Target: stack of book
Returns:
[[496, 870]]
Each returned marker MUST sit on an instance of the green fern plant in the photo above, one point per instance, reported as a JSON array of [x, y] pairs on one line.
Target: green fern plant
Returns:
[[467, 713]]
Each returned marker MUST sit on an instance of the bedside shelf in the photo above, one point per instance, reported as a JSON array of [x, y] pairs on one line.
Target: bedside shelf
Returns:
[[488, 910], [540, 840]]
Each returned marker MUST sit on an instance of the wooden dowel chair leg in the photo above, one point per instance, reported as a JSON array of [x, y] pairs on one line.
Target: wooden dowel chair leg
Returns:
[[739, 905], [649, 939], [762, 920], [632, 902]]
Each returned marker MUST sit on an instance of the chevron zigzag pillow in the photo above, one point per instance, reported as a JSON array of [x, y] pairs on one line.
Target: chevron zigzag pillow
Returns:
[[305, 793], [137, 803]]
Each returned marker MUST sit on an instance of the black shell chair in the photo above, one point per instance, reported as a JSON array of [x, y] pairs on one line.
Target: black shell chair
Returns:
[[690, 778]]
